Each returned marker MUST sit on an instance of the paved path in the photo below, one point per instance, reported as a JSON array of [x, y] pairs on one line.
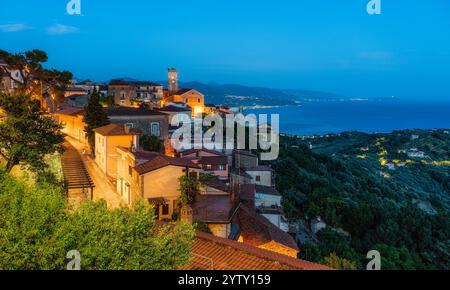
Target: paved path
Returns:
[[104, 189]]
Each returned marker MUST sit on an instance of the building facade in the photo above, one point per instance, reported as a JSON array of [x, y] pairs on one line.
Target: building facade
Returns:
[[107, 139], [152, 177], [135, 93]]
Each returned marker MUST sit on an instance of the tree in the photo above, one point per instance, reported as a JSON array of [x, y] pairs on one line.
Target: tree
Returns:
[[107, 101], [27, 133], [33, 78], [151, 143], [38, 229], [335, 262], [189, 188], [95, 118]]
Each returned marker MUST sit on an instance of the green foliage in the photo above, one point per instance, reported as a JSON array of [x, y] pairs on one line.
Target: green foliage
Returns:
[[151, 143], [189, 188], [37, 230], [377, 213], [333, 261], [35, 79], [107, 101], [27, 133], [202, 227], [95, 118]]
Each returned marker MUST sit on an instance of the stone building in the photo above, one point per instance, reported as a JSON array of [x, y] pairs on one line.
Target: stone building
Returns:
[[135, 93]]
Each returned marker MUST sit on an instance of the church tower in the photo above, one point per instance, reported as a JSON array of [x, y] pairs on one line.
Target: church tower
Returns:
[[172, 81]]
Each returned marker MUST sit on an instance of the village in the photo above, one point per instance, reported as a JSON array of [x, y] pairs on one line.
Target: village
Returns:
[[236, 200]]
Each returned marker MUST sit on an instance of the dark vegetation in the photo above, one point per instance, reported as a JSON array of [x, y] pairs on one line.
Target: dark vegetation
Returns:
[[378, 213]]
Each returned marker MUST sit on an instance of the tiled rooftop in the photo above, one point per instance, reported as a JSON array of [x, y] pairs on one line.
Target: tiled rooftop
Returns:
[[115, 130], [214, 253], [257, 230], [213, 208]]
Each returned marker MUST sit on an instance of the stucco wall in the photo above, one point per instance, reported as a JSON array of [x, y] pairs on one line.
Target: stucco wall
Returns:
[[143, 123], [112, 143], [220, 230], [265, 177], [73, 126]]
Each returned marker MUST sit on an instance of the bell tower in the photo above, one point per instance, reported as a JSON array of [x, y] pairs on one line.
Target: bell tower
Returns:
[[172, 81]]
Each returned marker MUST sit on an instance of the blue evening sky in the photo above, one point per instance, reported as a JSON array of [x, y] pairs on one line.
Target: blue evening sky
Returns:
[[328, 45]]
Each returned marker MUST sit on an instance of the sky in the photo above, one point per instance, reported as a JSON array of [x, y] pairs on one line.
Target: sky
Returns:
[[327, 45]]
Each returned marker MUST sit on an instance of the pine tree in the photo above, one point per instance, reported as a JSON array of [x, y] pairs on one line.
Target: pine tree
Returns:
[[95, 118]]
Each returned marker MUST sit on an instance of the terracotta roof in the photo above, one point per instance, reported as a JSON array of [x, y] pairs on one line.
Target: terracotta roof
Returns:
[[193, 151], [257, 230], [74, 89], [213, 208], [126, 111], [156, 161], [260, 168], [174, 109], [213, 253], [115, 130], [267, 190], [123, 82], [182, 91], [213, 160], [218, 184]]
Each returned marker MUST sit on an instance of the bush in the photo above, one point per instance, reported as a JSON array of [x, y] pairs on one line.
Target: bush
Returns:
[[37, 230]]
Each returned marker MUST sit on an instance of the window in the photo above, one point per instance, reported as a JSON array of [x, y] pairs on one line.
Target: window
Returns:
[[155, 129], [130, 125], [165, 209], [258, 178], [130, 170], [122, 95], [193, 174], [199, 100], [221, 167]]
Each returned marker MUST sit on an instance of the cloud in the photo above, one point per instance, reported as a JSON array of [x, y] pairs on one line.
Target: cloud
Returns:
[[15, 27], [61, 29]]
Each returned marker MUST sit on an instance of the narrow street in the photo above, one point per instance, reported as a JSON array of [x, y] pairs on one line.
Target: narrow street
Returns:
[[104, 189]]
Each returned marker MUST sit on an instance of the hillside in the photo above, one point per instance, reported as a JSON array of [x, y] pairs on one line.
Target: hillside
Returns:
[[389, 192], [239, 95]]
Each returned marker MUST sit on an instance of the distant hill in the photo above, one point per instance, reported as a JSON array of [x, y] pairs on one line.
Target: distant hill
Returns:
[[239, 95], [247, 96]]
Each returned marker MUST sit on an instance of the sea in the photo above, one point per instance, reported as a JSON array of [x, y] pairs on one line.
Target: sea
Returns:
[[328, 117]]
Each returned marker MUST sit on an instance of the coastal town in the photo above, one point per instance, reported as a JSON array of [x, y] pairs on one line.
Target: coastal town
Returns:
[[236, 207]]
